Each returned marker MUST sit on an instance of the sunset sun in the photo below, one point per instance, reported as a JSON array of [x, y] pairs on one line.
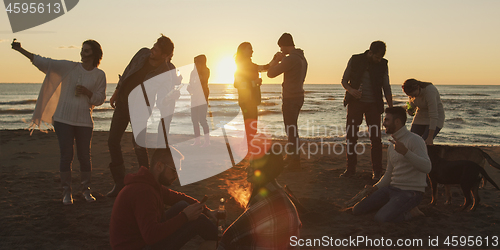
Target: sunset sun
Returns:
[[224, 71]]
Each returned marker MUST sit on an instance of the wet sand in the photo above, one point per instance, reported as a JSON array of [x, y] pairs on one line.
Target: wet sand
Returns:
[[33, 216]]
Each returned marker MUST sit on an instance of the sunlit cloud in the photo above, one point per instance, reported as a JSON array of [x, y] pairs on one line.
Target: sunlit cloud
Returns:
[[68, 47]]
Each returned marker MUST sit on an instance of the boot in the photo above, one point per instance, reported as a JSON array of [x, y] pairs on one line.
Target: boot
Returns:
[[207, 140], [118, 173], [66, 185], [85, 184]]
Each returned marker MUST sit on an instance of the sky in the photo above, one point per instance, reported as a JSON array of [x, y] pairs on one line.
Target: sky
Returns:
[[444, 42]]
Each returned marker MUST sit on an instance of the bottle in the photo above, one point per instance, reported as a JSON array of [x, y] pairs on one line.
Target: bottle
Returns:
[[221, 217], [410, 109]]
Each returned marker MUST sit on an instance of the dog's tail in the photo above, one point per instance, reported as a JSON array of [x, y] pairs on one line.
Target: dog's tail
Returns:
[[490, 161], [487, 177]]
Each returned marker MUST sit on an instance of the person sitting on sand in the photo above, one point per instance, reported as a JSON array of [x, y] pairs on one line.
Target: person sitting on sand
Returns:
[[403, 184], [69, 93], [270, 218], [429, 115], [138, 219]]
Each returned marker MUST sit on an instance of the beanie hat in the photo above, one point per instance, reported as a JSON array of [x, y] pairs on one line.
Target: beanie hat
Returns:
[[286, 40]]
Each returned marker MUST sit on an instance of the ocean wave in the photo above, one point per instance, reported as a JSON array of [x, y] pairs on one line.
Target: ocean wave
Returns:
[[456, 120], [222, 99], [31, 101], [268, 104], [16, 111], [464, 94], [102, 109]]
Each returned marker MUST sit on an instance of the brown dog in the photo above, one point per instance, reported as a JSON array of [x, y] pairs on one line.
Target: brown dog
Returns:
[[466, 173], [468, 153]]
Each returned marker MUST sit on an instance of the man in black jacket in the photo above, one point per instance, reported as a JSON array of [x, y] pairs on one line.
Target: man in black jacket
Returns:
[[364, 79], [146, 63]]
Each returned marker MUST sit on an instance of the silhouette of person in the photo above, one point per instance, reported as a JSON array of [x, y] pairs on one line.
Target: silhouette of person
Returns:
[[365, 76], [198, 88], [146, 64], [429, 115], [292, 63], [247, 82], [69, 93]]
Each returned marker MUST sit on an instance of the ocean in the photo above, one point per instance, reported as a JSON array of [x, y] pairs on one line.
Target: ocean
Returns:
[[472, 113]]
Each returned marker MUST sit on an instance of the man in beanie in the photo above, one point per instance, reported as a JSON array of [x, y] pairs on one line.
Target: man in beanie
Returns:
[[292, 63], [270, 219], [364, 79]]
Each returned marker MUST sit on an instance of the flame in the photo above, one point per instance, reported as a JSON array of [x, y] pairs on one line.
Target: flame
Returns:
[[239, 190]]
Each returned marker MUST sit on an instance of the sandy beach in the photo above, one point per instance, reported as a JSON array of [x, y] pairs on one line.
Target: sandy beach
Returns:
[[33, 216]]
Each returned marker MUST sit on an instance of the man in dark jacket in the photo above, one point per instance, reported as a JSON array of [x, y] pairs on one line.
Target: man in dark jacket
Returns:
[[138, 218], [292, 63], [146, 64], [364, 79]]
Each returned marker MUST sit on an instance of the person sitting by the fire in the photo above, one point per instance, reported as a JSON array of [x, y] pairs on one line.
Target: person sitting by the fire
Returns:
[[270, 218], [397, 195], [138, 219]]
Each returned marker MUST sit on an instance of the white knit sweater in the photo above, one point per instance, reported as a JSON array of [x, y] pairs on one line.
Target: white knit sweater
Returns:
[[64, 76], [409, 171], [430, 108]]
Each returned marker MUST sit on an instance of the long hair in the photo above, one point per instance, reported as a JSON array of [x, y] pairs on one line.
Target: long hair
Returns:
[[96, 51], [240, 57], [411, 85], [200, 61]]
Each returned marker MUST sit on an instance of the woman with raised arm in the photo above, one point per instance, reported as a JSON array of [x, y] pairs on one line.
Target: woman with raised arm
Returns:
[[247, 81], [67, 97], [425, 103]]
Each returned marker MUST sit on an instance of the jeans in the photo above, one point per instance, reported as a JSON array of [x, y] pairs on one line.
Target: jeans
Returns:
[[355, 112], [201, 226], [119, 123], [199, 116], [393, 204], [291, 109], [423, 130], [250, 117], [67, 135]]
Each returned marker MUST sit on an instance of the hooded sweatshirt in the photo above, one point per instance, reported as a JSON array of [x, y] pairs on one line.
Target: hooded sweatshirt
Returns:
[[294, 67], [137, 218]]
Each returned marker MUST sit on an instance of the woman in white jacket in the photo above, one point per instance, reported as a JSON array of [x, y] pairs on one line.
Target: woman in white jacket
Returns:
[[67, 97], [429, 114]]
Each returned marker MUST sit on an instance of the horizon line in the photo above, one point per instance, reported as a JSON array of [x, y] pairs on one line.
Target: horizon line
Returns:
[[493, 84]]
